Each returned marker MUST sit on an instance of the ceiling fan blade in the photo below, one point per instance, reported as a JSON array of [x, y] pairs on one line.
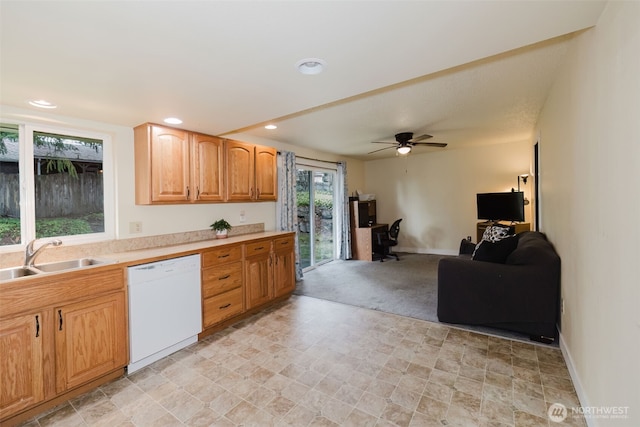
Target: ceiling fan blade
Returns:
[[384, 142], [421, 137], [430, 144], [385, 148]]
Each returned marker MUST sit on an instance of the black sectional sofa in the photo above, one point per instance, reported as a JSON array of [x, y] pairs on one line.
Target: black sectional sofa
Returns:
[[520, 294]]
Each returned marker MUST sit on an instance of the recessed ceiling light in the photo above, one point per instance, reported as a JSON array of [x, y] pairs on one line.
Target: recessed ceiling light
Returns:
[[172, 121], [271, 127], [311, 66], [41, 103]]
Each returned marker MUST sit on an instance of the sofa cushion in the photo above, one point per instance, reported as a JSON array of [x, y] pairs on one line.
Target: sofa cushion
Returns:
[[533, 249], [495, 251], [467, 247]]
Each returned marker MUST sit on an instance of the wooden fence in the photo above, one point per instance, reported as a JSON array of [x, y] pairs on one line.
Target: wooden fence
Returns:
[[57, 195]]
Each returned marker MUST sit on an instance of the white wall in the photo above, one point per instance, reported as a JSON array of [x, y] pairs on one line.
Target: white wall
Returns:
[[435, 192], [590, 160]]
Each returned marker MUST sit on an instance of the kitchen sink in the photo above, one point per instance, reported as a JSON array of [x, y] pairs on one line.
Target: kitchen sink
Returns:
[[71, 264], [51, 267], [15, 272]]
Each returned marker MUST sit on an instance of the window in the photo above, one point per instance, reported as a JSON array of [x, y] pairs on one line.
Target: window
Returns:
[[52, 184]]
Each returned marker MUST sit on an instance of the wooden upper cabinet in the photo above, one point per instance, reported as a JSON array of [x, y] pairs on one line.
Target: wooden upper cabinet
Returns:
[[251, 172], [176, 166], [207, 168], [240, 167], [266, 173]]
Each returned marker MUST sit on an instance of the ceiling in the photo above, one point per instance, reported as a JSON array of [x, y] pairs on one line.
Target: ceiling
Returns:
[[466, 72]]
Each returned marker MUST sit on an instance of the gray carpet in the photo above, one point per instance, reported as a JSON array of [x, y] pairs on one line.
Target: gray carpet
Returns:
[[407, 287]]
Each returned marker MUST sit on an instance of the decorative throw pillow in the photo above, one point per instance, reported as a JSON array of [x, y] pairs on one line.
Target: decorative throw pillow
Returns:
[[495, 251], [494, 233]]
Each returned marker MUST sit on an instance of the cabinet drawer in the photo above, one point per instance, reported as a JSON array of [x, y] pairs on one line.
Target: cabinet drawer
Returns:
[[221, 255], [257, 248], [222, 306], [223, 278], [283, 243]]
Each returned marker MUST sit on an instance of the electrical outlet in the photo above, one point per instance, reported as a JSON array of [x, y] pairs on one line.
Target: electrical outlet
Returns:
[[242, 216], [135, 227]]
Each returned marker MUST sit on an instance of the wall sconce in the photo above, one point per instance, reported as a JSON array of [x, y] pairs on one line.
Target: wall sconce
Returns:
[[524, 178]]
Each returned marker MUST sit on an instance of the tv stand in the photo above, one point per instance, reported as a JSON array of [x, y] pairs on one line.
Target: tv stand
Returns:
[[519, 226]]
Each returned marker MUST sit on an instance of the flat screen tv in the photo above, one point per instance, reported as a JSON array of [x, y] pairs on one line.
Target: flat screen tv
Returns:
[[507, 206]]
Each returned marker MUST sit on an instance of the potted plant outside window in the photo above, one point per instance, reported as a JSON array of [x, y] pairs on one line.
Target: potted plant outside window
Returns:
[[221, 228]]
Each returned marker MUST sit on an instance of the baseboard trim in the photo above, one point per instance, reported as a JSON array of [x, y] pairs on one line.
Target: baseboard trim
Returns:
[[577, 384], [425, 251]]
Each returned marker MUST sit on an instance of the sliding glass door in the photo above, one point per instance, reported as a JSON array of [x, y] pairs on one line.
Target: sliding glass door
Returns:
[[316, 223]]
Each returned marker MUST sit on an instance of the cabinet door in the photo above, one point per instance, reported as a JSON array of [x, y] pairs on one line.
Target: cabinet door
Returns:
[[284, 273], [21, 364], [240, 169], [258, 280], [169, 165], [207, 168], [266, 173], [90, 340]]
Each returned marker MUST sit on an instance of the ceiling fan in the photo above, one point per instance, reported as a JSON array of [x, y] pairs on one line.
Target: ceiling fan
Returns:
[[405, 141]]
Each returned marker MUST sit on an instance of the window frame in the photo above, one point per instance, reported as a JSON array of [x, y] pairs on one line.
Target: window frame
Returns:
[[27, 182]]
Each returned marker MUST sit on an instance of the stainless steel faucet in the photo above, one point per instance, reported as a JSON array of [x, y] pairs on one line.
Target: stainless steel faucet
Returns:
[[30, 255]]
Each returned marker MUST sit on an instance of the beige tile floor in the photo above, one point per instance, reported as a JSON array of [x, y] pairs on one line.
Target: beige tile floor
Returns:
[[309, 362]]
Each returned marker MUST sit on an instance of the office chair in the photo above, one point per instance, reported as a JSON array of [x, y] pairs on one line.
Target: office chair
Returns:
[[389, 239]]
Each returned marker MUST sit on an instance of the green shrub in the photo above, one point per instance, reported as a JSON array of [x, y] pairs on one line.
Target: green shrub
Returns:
[[61, 227], [9, 231], [321, 200]]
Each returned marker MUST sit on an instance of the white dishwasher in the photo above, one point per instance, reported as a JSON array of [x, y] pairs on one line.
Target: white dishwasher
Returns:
[[165, 308]]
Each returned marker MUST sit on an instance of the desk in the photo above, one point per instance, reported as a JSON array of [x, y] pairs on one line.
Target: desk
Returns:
[[364, 240]]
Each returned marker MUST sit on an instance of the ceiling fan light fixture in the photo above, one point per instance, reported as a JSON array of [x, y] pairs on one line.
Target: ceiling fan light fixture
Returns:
[[404, 149], [311, 66]]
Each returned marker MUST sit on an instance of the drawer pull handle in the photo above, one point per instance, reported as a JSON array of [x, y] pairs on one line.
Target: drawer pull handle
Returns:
[[258, 249], [225, 306], [224, 277], [223, 256], [37, 327], [60, 317]]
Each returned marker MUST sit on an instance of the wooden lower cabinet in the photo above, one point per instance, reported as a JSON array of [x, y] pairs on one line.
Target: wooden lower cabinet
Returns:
[[223, 306], [21, 364], [90, 340], [74, 336], [240, 278], [284, 269], [258, 273], [222, 280]]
